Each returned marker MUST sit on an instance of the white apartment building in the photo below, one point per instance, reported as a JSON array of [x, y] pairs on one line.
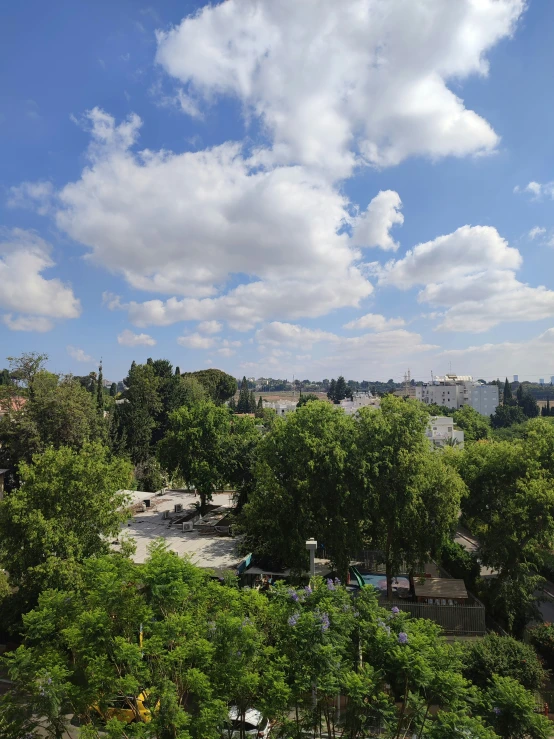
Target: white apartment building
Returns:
[[455, 391], [281, 407], [359, 400], [441, 431]]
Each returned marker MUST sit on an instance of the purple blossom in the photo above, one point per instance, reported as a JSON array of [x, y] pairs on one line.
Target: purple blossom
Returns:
[[497, 710], [402, 638], [294, 595], [325, 623], [330, 584], [337, 581], [49, 681], [308, 590], [395, 610], [239, 653], [293, 620]]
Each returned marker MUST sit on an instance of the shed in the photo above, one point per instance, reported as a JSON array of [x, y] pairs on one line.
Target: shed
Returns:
[[440, 591]]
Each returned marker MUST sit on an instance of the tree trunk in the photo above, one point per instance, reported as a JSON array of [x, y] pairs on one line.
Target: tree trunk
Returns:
[[389, 564]]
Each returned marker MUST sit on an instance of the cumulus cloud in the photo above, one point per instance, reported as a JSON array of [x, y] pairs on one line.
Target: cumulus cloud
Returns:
[[338, 83], [536, 231], [467, 250], [196, 341], [472, 272], [373, 227], [210, 327], [36, 195], [27, 323], [24, 256], [128, 338], [290, 333], [375, 322], [79, 354]]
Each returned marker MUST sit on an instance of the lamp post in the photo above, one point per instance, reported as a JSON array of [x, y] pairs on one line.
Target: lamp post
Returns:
[[311, 546]]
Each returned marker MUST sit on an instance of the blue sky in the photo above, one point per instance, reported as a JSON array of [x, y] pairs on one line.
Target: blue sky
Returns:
[[279, 188]]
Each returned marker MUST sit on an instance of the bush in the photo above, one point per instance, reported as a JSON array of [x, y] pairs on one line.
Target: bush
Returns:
[[504, 656], [460, 564], [542, 638]]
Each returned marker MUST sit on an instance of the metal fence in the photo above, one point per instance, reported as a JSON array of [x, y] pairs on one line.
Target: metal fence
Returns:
[[459, 620]]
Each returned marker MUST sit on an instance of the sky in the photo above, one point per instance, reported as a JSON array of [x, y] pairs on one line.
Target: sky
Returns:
[[279, 189]]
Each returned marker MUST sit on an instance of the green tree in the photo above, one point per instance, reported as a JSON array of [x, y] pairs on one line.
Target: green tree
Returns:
[[306, 398], [23, 369], [136, 418], [507, 415], [306, 487], [503, 655], [5, 378], [192, 391], [252, 402], [475, 426], [527, 403], [113, 389], [260, 408], [198, 447], [64, 510], [232, 404], [341, 390], [507, 392], [512, 711], [243, 404], [412, 496], [332, 389], [510, 508], [218, 384]]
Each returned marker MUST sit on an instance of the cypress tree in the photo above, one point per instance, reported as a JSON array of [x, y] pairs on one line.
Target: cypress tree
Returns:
[[331, 391], [100, 390], [260, 407], [341, 389], [233, 404], [177, 371], [520, 395], [243, 406], [252, 402], [113, 390], [508, 391]]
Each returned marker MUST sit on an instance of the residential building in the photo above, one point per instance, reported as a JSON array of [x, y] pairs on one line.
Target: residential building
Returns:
[[516, 378], [455, 391], [441, 431], [15, 403], [281, 407], [359, 400]]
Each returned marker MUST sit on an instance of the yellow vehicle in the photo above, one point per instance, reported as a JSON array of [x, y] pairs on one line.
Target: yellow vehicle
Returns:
[[127, 708]]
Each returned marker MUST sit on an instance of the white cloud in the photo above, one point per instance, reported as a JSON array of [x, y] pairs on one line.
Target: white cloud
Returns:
[[36, 195], [24, 256], [375, 322], [28, 323], [196, 341], [373, 227], [210, 327], [536, 231], [537, 190], [128, 338], [467, 250], [290, 333], [211, 214], [335, 83], [79, 354], [226, 352]]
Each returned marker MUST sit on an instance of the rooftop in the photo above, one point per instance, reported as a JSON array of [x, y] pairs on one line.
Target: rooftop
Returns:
[[440, 588], [204, 549]]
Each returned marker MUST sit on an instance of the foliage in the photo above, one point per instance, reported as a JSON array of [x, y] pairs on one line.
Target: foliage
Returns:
[[305, 487], [23, 369], [507, 415], [218, 384], [503, 655], [244, 401], [437, 410], [542, 637], [307, 398], [459, 563], [411, 497], [136, 417], [150, 476], [65, 508], [510, 508], [507, 391], [206, 646], [475, 426], [338, 390]]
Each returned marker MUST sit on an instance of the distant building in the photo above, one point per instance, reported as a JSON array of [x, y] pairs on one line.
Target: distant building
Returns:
[[281, 407], [516, 378], [455, 391], [541, 381], [359, 400], [14, 403], [441, 431]]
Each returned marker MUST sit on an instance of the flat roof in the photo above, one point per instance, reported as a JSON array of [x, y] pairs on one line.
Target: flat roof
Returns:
[[205, 550], [440, 587]]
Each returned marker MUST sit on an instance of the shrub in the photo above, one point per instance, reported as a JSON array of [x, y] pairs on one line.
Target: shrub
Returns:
[[542, 637], [460, 564], [504, 656]]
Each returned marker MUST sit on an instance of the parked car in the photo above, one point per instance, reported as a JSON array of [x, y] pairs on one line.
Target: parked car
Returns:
[[127, 708], [255, 725]]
